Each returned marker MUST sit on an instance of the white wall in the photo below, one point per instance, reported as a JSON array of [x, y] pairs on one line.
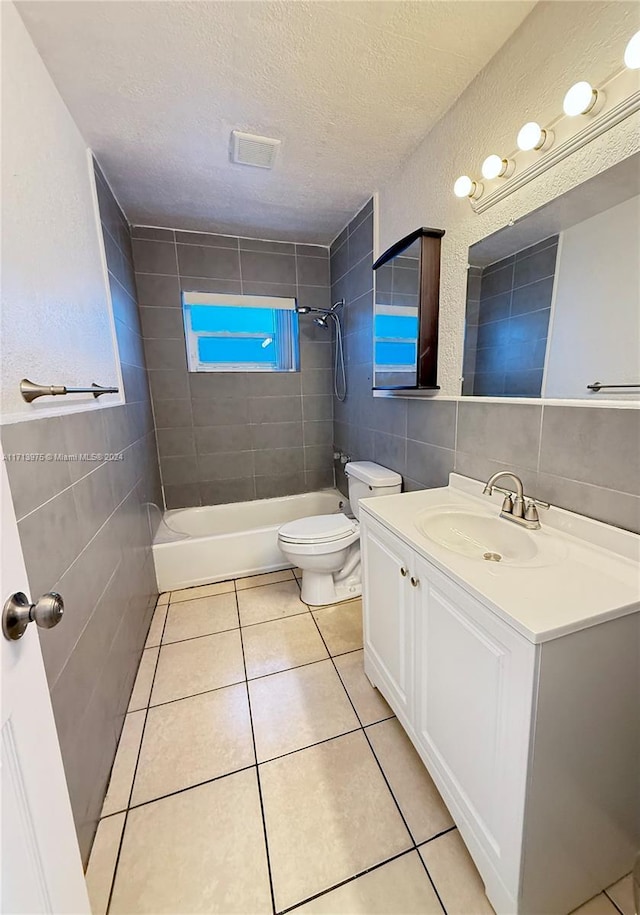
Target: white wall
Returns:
[[558, 44], [56, 320], [595, 330]]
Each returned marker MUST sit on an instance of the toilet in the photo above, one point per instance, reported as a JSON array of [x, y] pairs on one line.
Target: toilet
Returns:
[[327, 547]]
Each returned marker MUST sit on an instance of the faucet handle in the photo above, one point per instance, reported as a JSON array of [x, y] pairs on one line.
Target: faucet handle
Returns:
[[531, 512], [507, 505]]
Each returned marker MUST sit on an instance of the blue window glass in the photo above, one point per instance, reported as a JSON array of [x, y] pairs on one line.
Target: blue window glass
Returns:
[[396, 353], [232, 320], [399, 327], [255, 350], [228, 335]]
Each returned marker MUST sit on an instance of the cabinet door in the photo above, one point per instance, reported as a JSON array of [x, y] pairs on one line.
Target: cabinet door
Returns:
[[474, 698], [388, 599]]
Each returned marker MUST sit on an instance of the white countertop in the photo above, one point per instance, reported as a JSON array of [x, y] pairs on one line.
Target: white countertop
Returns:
[[595, 577]]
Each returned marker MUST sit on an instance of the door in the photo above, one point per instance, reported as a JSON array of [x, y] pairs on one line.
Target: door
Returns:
[[389, 587], [474, 697], [41, 867]]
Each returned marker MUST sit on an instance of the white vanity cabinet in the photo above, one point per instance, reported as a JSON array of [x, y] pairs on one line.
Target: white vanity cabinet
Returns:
[[389, 631], [505, 726]]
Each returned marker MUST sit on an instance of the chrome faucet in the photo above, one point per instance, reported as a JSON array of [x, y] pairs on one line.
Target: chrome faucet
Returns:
[[514, 509]]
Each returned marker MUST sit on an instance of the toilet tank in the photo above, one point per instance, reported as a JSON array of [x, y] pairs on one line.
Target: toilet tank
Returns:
[[367, 479]]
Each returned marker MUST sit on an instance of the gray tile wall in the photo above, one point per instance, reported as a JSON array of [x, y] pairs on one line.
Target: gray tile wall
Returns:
[[245, 435], [84, 532], [584, 459], [508, 308]]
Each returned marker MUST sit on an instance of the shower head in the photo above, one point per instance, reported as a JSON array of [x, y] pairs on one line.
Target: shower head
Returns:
[[325, 312]]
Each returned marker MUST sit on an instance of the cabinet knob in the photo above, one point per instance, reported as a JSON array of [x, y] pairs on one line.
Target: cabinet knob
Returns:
[[403, 571], [414, 582]]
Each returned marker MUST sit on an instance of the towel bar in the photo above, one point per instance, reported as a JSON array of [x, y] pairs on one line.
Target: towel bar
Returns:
[[30, 391]]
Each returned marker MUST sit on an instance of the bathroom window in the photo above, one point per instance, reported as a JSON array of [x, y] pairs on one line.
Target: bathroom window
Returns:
[[396, 338], [240, 333]]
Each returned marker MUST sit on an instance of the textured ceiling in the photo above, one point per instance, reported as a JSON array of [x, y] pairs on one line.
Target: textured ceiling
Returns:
[[349, 87]]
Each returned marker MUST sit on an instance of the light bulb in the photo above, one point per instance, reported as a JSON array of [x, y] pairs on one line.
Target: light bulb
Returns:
[[493, 167], [467, 187], [497, 167], [529, 136], [580, 99], [463, 186], [632, 53]]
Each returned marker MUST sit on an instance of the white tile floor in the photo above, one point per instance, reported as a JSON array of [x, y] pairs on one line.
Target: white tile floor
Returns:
[[258, 771]]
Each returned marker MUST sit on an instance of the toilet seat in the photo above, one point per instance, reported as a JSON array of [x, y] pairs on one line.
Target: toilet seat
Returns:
[[319, 529]]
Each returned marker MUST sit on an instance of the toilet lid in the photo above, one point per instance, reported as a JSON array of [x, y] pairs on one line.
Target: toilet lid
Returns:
[[318, 528]]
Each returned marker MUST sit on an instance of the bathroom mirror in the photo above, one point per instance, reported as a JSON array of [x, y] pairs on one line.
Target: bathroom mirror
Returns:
[[407, 293], [553, 302]]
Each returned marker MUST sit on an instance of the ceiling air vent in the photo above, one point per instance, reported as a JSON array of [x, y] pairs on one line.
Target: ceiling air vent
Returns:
[[247, 149]]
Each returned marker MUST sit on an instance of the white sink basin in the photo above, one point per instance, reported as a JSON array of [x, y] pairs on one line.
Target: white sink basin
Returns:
[[478, 535]]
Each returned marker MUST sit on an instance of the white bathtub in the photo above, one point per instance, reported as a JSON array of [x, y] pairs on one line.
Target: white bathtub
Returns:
[[196, 546]]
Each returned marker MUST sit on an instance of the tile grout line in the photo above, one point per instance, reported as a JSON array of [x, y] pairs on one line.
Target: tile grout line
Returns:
[[347, 880], [362, 727], [255, 756], [612, 901], [236, 682], [366, 737], [135, 771]]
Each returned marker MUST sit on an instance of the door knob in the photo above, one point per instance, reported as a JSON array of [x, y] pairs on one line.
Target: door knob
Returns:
[[414, 582], [18, 612], [403, 571]]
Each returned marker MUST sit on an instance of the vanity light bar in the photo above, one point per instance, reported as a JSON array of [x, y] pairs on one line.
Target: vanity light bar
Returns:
[[581, 100]]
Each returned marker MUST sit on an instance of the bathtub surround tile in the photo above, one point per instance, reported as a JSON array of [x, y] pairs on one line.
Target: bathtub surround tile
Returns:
[[227, 465], [245, 413], [176, 442], [220, 587], [267, 267], [102, 863], [272, 487], [320, 828], [205, 238], [225, 411], [202, 850], [281, 644], [185, 495], [259, 244], [207, 261], [198, 665], [218, 439], [121, 781], [341, 626], [190, 619], [401, 885], [225, 491], [369, 704], [418, 798], [192, 741], [154, 256], [298, 708], [270, 601], [459, 884]]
